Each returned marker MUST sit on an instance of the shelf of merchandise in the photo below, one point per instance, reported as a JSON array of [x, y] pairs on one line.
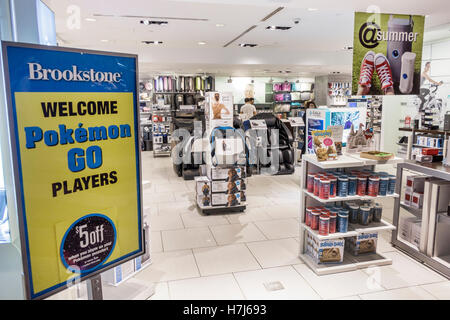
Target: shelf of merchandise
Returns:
[[348, 198], [419, 146], [414, 211], [437, 170], [350, 262], [159, 152]]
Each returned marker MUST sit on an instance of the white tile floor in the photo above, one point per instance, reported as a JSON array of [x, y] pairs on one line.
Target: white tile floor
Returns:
[[254, 255]]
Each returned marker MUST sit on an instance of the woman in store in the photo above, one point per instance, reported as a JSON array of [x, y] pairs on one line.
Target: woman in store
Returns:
[[426, 76], [248, 110]]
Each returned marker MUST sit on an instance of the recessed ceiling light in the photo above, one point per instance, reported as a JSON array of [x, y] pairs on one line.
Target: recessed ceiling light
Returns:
[[277, 28], [201, 43], [154, 22], [90, 19], [220, 25], [104, 40], [152, 42], [312, 9]]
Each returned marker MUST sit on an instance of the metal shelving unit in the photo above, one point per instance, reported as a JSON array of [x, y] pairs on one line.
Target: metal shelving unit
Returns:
[[350, 262], [437, 170], [161, 148]]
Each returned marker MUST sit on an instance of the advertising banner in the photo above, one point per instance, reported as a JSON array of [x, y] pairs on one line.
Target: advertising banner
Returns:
[[387, 54], [74, 130]]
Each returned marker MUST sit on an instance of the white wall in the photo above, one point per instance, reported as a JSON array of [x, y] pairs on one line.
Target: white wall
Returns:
[[237, 87]]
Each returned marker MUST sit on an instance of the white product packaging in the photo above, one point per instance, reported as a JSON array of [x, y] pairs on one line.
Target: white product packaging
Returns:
[[227, 174], [226, 186], [408, 196], [326, 251], [203, 185], [417, 200], [228, 200], [363, 243]]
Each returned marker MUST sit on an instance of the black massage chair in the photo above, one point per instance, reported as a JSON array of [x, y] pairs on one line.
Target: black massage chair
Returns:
[[188, 168], [284, 150]]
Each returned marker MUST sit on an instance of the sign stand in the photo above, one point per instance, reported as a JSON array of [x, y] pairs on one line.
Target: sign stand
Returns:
[[94, 288]]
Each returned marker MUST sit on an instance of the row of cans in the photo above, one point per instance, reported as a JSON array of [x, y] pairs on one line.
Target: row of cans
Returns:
[[327, 220], [326, 185]]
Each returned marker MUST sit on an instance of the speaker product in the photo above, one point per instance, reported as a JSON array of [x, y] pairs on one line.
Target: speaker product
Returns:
[[407, 72], [395, 47]]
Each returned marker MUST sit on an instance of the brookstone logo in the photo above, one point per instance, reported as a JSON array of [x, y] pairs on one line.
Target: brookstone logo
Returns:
[[37, 72]]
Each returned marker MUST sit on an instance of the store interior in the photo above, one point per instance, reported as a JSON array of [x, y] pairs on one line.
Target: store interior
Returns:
[[393, 244]]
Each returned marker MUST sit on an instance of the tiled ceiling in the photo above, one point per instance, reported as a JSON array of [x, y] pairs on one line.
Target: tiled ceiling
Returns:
[[312, 46]]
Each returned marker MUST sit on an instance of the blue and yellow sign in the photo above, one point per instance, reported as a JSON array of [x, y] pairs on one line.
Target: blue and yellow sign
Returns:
[[75, 130]]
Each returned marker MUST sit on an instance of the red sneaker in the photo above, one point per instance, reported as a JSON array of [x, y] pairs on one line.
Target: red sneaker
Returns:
[[384, 71], [367, 67]]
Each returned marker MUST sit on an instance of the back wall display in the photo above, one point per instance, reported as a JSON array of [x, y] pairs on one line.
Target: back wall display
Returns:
[[387, 54]]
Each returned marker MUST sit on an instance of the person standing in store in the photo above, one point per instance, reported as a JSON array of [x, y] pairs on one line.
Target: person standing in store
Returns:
[[248, 110]]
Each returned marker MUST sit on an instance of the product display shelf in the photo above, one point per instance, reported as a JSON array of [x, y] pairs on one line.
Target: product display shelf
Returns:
[[349, 198], [343, 161], [439, 263], [414, 211], [161, 148], [369, 162], [221, 209], [350, 262]]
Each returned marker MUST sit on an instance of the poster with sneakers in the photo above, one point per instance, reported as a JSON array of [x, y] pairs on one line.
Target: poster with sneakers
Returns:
[[387, 54]]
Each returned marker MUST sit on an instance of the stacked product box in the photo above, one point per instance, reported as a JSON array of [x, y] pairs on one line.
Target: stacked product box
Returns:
[[222, 186], [409, 230], [203, 191], [415, 186], [363, 243], [325, 251]]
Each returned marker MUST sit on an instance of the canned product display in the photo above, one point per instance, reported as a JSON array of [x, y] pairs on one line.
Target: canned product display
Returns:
[[315, 220], [364, 213], [324, 189], [333, 219], [308, 216], [361, 185], [310, 182], [353, 213], [384, 185], [324, 225], [342, 221], [377, 212], [342, 186], [391, 186], [333, 186], [352, 183], [316, 184], [373, 186]]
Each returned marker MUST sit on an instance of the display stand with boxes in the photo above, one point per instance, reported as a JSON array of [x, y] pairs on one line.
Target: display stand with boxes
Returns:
[[221, 189], [221, 186], [338, 228], [423, 216]]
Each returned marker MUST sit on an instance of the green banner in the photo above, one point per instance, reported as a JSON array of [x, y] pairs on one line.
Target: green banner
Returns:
[[387, 54]]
